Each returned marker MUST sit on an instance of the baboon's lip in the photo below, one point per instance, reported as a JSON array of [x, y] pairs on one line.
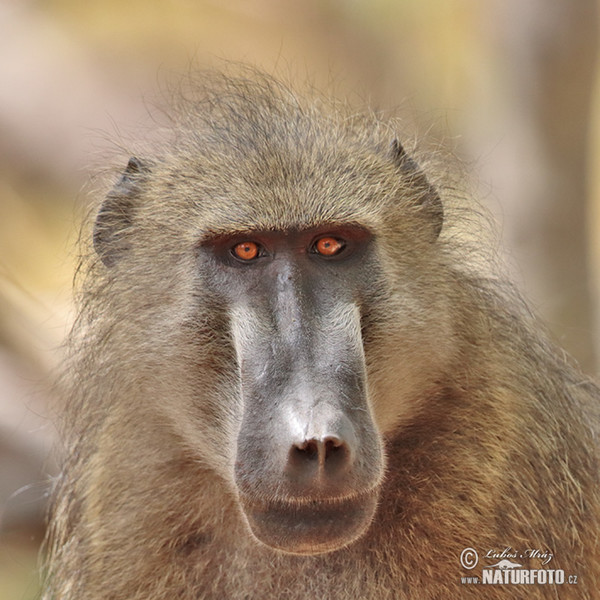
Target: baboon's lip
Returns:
[[312, 499], [312, 527]]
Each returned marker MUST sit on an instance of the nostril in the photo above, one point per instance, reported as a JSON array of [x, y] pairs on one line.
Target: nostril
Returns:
[[328, 450], [332, 446], [308, 449]]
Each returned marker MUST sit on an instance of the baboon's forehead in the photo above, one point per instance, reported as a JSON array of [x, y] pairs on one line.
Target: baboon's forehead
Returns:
[[277, 189], [279, 211], [283, 216], [249, 152]]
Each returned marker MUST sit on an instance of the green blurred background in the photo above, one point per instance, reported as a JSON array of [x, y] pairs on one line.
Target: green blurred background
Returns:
[[507, 86]]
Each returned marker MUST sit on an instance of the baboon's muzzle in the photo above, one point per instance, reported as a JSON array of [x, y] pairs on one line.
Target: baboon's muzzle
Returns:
[[309, 458]]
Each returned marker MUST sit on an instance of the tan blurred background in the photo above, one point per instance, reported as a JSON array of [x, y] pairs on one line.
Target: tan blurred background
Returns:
[[510, 85]]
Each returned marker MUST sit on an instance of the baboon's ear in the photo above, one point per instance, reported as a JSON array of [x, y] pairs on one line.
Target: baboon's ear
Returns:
[[427, 195], [116, 214]]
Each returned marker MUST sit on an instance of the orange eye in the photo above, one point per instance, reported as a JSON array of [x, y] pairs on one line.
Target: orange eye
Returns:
[[246, 250], [328, 246]]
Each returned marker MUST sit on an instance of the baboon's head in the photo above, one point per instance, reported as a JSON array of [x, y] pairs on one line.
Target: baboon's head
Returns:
[[267, 268]]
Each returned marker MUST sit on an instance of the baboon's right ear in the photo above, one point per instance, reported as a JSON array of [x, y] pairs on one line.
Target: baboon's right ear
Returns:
[[116, 213]]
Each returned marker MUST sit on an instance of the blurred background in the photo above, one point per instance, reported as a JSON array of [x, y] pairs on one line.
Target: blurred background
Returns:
[[510, 86]]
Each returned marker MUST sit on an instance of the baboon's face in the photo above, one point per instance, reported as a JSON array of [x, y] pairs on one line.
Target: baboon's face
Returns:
[[277, 290], [308, 455]]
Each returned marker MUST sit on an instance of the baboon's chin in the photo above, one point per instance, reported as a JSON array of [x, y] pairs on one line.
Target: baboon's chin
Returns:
[[310, 528]]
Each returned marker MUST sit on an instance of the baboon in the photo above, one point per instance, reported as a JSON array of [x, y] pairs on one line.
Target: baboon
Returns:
[[292, 376]]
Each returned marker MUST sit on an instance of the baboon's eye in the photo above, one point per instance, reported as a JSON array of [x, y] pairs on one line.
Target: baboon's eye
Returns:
[[246, 250], [328, 246]]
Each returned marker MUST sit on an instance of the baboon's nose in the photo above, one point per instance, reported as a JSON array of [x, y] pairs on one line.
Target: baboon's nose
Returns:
[[326, 456]]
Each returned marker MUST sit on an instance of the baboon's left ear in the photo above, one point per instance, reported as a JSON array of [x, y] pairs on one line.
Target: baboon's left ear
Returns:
[[116, 213], [426, 195]]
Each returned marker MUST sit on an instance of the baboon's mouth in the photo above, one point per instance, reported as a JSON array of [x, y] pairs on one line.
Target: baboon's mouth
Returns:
[[310, 527]]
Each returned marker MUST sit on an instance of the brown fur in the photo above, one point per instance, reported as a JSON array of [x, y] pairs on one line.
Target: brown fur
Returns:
[[490, 433]]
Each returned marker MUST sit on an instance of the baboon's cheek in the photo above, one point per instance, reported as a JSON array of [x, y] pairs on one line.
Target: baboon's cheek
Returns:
[[313, 527]]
